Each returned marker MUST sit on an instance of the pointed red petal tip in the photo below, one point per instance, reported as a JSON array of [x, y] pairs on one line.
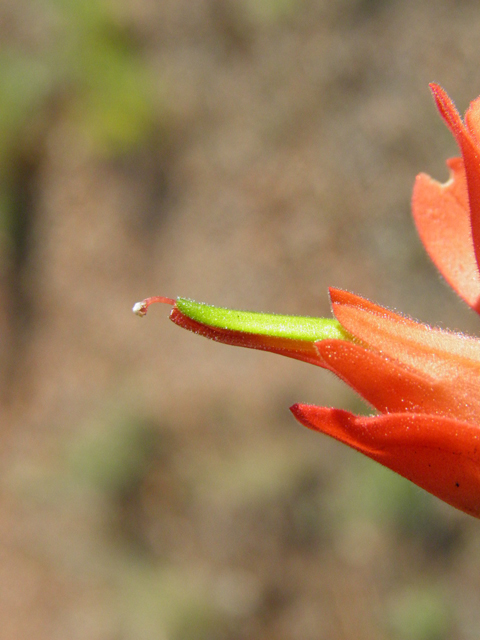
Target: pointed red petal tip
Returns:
[[140, 308], [447, 109], [302, 413]]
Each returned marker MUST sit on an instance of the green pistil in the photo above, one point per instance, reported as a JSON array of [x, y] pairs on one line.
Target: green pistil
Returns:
[[266, 324]]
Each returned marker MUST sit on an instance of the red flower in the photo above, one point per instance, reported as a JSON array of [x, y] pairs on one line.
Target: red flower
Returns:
[[423, 381]]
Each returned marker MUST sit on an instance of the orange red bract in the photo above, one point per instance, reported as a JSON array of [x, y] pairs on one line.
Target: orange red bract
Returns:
[[448, 215]]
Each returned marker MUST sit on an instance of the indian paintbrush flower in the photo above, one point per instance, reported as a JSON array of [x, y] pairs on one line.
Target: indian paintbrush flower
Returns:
[[423, 381]]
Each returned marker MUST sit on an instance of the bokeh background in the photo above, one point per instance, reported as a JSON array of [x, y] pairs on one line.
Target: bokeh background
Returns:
[[249, 154]]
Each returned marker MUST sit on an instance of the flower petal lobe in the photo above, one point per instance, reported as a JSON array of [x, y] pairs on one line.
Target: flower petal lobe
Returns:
[[439, 454]]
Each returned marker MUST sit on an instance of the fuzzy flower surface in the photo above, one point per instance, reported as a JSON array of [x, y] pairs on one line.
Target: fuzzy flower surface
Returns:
[[424, 382]]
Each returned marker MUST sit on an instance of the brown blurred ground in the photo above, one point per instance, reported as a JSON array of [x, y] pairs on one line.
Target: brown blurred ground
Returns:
[[154, 485]]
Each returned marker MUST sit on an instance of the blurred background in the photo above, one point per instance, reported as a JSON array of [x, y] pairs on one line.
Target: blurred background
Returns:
[[248, 154]]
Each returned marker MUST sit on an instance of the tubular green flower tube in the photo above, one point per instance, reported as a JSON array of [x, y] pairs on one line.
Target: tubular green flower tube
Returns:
[[293, 336]]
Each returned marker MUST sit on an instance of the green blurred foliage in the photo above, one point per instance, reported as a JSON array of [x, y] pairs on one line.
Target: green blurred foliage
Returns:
[[177, 600], [91, 66], [101, 66], [116, 455], [420, 614], [88, 74], [271, 11], [26, 82]]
